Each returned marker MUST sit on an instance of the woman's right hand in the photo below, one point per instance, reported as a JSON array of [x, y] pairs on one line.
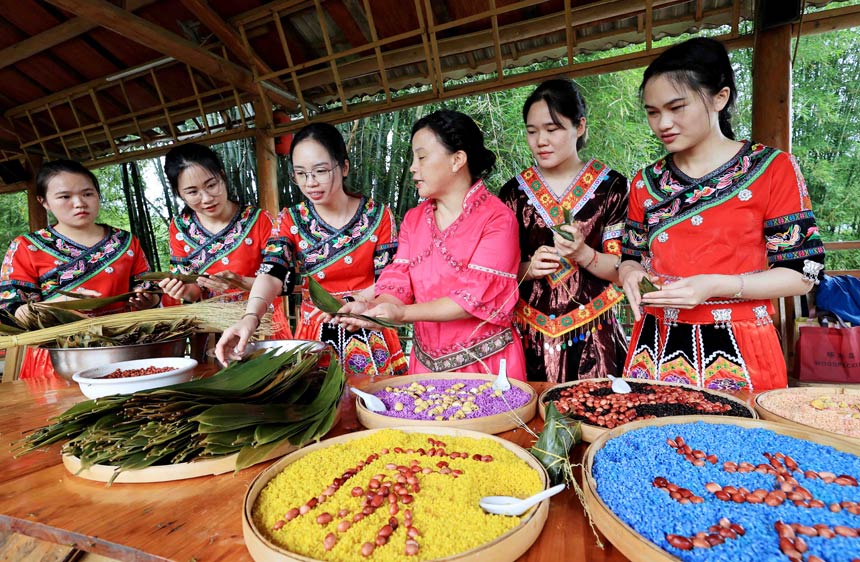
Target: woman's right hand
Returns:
[[545, 261], [629, 275], [180, 291], [232, 344]]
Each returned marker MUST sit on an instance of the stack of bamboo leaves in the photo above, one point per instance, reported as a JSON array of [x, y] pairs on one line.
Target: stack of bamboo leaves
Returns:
[[249, 408], [209, 316], [141, 333]]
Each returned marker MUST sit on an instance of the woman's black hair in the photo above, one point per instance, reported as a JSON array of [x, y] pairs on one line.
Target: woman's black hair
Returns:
[[702, 65], [327, 135], [50, 169], [562, 96], [457, 131], [180, 158]]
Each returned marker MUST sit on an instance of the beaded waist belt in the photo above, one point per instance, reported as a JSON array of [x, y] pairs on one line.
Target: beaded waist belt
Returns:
[[554, 326], [467, 355]]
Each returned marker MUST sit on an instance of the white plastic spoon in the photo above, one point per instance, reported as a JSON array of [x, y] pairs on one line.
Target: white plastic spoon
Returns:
[[507, 505], [373, 403], [501, 383], [619, 385]]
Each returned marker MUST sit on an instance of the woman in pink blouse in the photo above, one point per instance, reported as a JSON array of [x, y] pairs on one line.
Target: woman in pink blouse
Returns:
[[454, 275]]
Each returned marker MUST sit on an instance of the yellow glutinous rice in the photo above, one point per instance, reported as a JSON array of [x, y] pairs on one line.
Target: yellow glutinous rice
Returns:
[[437, 504]]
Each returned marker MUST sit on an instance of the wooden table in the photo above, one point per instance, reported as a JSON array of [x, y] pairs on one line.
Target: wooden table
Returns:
[[197, 519]]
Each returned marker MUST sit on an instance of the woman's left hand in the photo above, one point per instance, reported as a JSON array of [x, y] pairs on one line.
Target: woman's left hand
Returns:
[[570, 249], [685, 293], [142, 300]]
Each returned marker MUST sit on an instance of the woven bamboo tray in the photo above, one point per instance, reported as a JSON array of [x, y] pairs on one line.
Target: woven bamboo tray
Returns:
[[509, 546], [496, 423], [769, 415], [591, 432], [165, 473], [630, 543]]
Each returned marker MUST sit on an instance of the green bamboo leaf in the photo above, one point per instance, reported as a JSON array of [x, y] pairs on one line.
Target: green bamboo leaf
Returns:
[[321, 298], [561, 232], [249, 456], [83, 302], [646, 286], [161, 275]]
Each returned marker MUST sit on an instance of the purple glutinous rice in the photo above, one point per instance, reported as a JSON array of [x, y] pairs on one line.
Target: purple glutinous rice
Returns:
[[449, 399]]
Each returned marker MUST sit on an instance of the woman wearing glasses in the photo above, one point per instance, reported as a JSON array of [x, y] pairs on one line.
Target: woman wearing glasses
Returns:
[[212, 235], [342, 240]]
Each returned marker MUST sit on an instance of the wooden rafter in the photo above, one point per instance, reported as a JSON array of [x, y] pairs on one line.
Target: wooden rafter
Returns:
[[54, 36], [147, 33], [230, 38]]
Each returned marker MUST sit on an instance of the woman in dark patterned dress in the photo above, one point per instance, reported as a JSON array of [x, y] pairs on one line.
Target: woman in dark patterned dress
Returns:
[[722, 226], [567, 295]]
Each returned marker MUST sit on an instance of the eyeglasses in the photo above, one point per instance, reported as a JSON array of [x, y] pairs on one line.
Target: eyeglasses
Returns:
[[213, 186], [319, 175]]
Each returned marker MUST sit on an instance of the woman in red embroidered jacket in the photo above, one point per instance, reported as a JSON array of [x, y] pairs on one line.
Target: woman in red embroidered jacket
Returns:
[[567, 295], [342, 240], [74, 254], [454, 275], [722, 226], [213, 235]]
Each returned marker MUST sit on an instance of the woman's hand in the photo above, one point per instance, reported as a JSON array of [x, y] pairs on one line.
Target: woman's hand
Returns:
[[180, 291], [218, 282], [375, 309], [231, 345], [574, 251], [629, 275], [683, 293], [545, 261], [142, 300]]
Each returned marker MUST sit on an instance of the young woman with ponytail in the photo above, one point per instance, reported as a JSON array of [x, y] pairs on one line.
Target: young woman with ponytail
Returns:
[[720, 226]]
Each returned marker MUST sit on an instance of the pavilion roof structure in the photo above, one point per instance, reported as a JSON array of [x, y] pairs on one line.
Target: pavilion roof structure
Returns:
[[104, 81]]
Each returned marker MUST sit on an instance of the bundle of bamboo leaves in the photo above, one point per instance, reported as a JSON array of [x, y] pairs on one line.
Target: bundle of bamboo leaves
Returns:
[[248, 408], [210, 316]]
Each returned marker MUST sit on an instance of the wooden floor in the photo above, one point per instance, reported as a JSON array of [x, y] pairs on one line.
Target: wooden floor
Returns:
[[19, 548]]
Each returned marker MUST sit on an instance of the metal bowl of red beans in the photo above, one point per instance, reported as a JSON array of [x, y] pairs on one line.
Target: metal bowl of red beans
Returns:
[[127, 377]]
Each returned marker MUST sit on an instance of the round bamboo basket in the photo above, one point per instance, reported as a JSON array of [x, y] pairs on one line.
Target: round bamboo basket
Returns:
[[496, 423], [509, 546], [591, 432], [630, 543], [770, 415], [167, 472]]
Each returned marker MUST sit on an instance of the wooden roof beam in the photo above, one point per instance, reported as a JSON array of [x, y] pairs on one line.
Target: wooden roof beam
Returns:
[[147, 33], [52, 37], [230, 37]]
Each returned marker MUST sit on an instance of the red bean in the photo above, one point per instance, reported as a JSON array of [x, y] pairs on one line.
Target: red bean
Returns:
[[324, 518], [278, 524], [367, 549], [679, 541], [329, 541], [292, 514]]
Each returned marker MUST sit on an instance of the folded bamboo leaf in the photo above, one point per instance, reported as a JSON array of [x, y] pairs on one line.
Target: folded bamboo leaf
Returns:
[[563, 233], [646, 286], [553, 445]]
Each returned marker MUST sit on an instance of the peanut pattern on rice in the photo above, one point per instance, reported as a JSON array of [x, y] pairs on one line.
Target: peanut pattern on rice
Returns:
[[341, 523]]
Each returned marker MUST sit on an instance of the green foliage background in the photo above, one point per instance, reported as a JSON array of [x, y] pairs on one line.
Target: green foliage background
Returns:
[[826, 131]]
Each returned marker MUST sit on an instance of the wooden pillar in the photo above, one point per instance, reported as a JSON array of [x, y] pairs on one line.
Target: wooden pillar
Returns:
[[267, 163], [37, 215], [771, 95], [771, 125]]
